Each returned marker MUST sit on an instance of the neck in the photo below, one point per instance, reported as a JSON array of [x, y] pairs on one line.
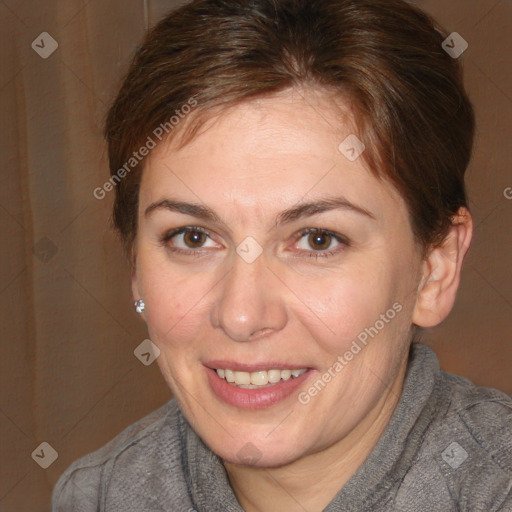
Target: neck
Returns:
[[311, 482]]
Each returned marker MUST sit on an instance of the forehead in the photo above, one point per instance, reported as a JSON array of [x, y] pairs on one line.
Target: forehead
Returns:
[[261, 153]]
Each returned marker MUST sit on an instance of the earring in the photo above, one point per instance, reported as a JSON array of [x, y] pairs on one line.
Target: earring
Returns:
[[139, 305]]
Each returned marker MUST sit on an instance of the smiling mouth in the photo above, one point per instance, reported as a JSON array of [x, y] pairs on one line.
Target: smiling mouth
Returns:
[[258, 380]]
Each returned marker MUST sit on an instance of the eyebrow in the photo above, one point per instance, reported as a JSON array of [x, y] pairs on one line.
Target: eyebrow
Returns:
[[300, 211]]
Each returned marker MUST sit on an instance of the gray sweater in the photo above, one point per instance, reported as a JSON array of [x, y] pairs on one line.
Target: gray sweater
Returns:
[[448, 447]]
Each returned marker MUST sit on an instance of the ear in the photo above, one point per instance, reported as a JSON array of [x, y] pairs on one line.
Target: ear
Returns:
[[441, 273]]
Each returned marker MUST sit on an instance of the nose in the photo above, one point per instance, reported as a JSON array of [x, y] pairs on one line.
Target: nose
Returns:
[[251, 301]]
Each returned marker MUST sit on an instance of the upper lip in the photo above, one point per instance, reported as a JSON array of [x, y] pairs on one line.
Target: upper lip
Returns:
[[238, 366]]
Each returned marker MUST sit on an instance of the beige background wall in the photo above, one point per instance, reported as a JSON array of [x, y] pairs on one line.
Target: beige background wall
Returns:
[[67, 371]]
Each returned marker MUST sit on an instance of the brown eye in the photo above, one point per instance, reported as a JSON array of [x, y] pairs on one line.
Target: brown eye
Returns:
[[194, 239], [319, 241], [187, 239]]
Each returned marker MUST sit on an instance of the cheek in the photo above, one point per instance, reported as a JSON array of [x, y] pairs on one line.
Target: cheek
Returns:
[[352, 300], [341, 306], [175, 304]]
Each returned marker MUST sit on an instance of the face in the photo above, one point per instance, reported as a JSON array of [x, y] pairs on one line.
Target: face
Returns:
[[238, 274]]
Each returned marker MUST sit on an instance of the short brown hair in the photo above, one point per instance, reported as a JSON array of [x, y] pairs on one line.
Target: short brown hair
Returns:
[[386, 56]]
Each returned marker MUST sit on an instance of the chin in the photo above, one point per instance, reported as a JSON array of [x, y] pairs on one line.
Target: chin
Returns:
[[250, 455]]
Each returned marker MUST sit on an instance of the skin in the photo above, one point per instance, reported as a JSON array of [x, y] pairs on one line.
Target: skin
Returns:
[[249, 164]]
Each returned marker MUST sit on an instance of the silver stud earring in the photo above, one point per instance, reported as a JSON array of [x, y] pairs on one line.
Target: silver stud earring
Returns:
[[139, 305]]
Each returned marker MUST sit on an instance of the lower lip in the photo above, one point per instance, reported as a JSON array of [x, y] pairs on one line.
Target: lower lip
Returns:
[[254, 398]]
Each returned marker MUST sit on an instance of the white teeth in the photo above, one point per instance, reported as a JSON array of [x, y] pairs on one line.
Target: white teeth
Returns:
[[257, 379], [286, 374], [242, 378], [274, 376]]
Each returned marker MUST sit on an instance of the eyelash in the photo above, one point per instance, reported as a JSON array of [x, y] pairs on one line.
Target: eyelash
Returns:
[[164, 240]]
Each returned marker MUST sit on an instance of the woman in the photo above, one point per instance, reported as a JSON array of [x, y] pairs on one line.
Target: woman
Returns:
[[289, 183]]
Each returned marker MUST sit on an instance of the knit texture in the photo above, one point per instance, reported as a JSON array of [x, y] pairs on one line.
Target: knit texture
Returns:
[[447, 448]]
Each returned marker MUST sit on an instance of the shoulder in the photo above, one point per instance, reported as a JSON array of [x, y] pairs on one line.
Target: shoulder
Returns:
[[471, 444], [484, 416], [79, 487]]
